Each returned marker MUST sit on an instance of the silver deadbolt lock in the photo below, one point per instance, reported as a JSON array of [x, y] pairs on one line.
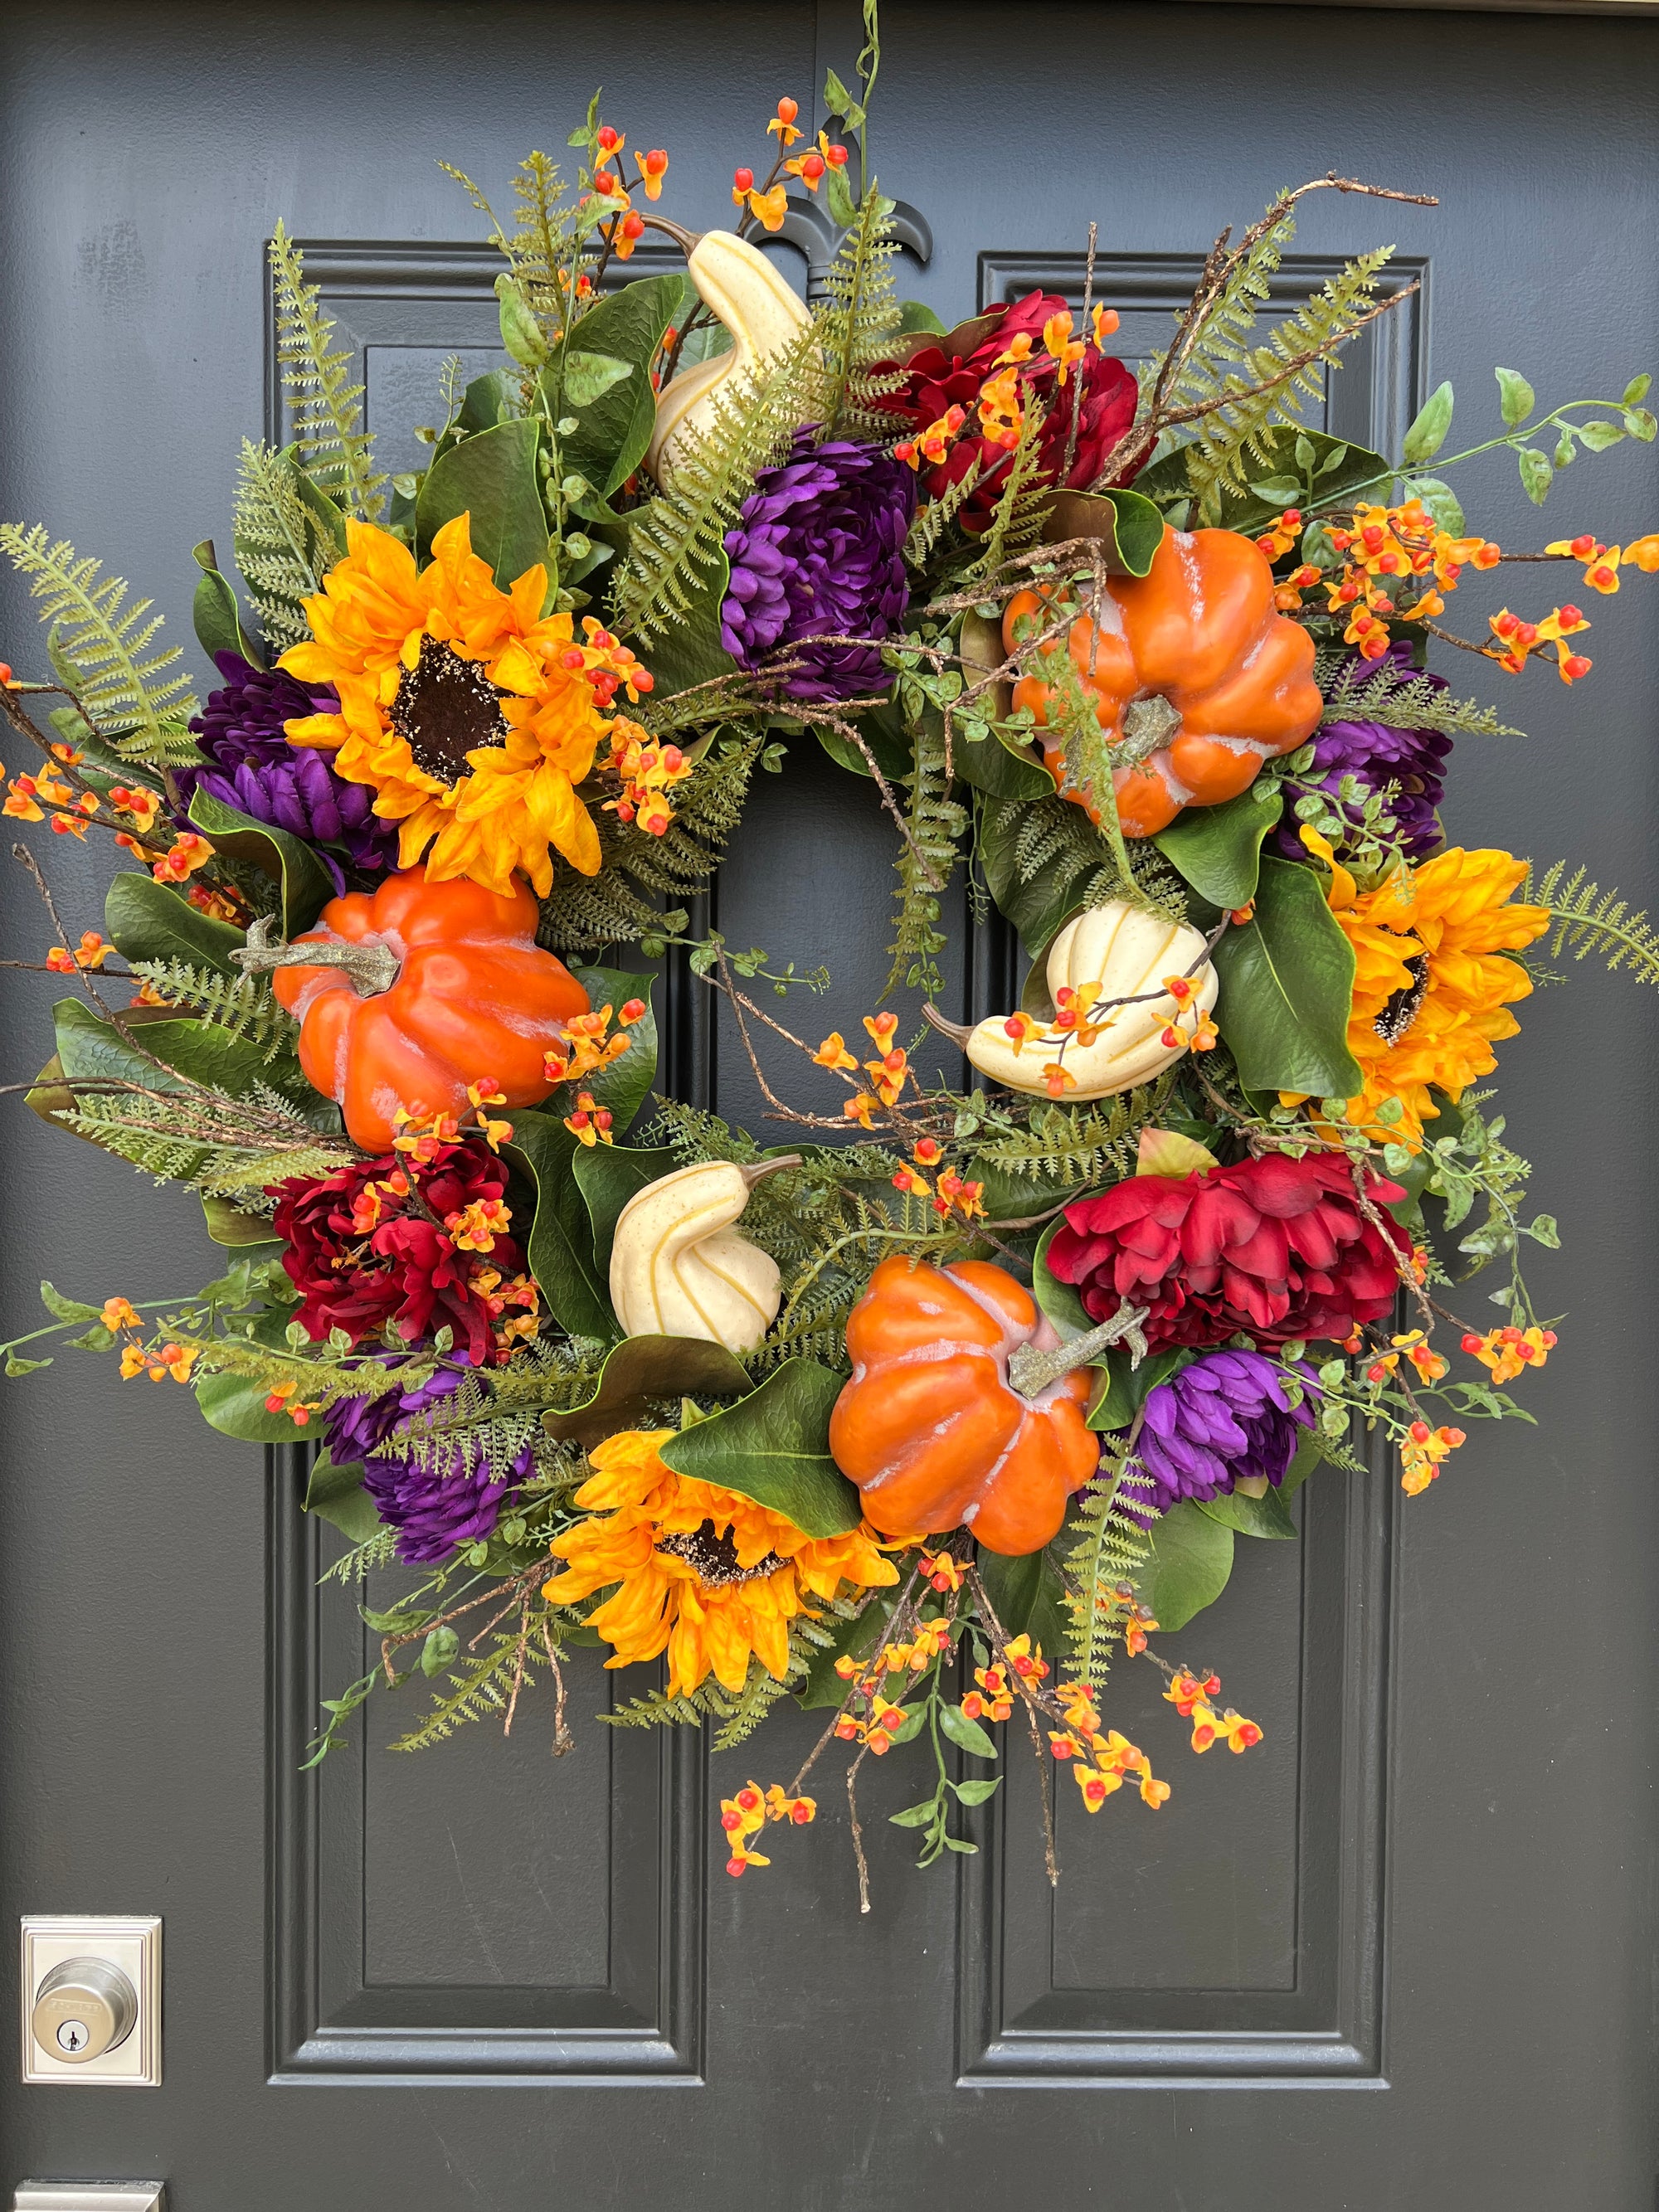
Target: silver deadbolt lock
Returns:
[[82, 2008]]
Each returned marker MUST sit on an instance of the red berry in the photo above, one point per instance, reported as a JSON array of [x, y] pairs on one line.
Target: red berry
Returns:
[[633, 225], [604, 182], [1471, 1344], [787, 111], [836, 156], [609, 139], [743, 180], [811, 168]]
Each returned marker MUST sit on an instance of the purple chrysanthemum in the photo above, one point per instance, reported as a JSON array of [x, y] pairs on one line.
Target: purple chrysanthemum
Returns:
[[818, 551], [1375, 755], [433, 1507], [1226, 1417], [254, 769]]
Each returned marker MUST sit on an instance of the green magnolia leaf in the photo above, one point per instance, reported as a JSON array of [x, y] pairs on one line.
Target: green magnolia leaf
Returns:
[[490, 399], [148, 920], [1515, 396], [999, 761], [1441, 500], [1192, 1556], [773, 1446], [1058, 1300], [914, 316], [622, 1087], [229, 1225], [1127, 523], [643, 1368], [1310, 1454], [191, 1051], [1286, 989], [1218, 849], [1123, 1388], [1428, 433], [1536, 474], [561, 1246], [967, 1734], [1341, 472], [217, 617], [1028, 1595], [236, 1406], [491, 479], [1267, 1516], [521, 334], [608, 1175], [690, 652], [307, 886], [616, 414]]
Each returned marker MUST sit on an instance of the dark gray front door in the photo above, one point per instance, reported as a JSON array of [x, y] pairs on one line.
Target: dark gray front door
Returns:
[[1401, 1955]]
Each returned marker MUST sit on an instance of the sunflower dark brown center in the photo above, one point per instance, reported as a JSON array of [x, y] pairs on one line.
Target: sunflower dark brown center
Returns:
[[1401, 1009], [714, 1557], [445, 707]]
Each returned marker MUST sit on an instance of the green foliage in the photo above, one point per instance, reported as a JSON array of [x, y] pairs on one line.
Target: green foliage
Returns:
[[483, 1686], [584, 912], [325, 410], [245, 1006], [927, 855], [221, 1145], [736, 1714], [932, 521], [859, 324], [1590, 920], [1286, 988], [1110, 1547], [1073, 1147], [1023, 502], [283, 546], [1412, 703], [539, 249], [677, 540], [773, 1446], [105, 651]]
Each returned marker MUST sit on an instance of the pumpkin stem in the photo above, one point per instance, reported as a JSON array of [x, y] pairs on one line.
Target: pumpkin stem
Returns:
[[372, 969], [1031, 1371], [762, 1168], [958, 1032]]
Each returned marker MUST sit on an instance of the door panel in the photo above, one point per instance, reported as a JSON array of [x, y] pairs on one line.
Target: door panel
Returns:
[[1404, 1950]]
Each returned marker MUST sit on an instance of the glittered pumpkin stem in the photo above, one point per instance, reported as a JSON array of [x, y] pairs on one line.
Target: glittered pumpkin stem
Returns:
[[1031, 1371], [371, 969]]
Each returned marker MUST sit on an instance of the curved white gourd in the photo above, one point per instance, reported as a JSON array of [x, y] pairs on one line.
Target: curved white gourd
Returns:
[[1113, 951], [678, 1267], [755, 304]]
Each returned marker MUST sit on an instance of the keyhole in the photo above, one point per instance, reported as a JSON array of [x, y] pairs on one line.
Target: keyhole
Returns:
[[72, 2035]]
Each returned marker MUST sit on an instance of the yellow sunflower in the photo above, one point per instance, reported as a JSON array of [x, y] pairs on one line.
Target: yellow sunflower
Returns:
[[705, 1574], [1433, 987], [471, 715]]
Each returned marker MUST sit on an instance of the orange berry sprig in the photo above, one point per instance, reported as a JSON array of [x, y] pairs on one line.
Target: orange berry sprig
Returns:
[[768, 204]]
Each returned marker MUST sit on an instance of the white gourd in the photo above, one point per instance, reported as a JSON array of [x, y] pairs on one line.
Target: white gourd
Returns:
[[1125, 951], [764, 316], [678, 1267]]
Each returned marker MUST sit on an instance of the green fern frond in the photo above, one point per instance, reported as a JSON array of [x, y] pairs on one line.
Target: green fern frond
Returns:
[[676, 542], [1023, 502], [221, 1145], [1415, 701], [858, 322], [1260, 392], [933, 520], [326, 411], [483, 1687], [1075, 1145], [103, 649], [282, 549], [243, 1006], [1111, 1546], [1590, 920], [926, 862]]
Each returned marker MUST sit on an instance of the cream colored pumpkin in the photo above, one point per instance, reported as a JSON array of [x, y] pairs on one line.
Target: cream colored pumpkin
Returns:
[[1113, 951], [752, 298], [678, 1267]]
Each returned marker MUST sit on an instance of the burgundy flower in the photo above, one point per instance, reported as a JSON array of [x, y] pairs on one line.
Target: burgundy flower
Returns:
[[1275, 1248], [949, 372], [366, 1252]]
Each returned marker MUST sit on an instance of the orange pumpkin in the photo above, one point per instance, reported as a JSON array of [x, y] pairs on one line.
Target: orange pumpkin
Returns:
[[463, 991], [930, 1428], [1192, 668]]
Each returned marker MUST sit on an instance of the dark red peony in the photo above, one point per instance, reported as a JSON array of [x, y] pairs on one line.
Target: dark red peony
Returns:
[[421, 1248], [946, 372], [1276, 1248]]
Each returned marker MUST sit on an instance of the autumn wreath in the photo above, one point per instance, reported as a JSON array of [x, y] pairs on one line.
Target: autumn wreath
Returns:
[[916, 1415]]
